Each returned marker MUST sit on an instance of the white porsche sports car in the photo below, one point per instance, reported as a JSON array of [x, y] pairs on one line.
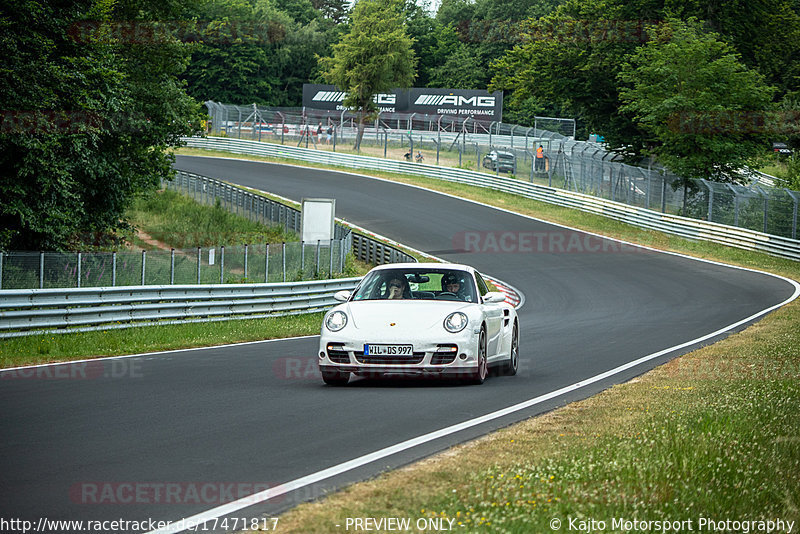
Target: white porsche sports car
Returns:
[[419, 318]]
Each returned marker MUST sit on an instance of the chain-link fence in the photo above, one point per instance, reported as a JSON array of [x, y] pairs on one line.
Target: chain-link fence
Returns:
[[281, 262], [257, 263], [546, 154]]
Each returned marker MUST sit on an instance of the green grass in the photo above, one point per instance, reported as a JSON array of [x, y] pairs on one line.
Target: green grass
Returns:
[[114, 342], [180, 222]]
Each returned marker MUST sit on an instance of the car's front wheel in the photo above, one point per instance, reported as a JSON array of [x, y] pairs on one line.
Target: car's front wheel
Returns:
[[482, 366], [511, 366], [332, 377]]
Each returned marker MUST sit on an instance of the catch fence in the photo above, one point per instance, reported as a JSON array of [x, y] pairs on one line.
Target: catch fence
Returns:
[[466, 143]]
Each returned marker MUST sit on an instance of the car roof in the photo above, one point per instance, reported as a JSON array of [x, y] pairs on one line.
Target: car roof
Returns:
[[425, 265]]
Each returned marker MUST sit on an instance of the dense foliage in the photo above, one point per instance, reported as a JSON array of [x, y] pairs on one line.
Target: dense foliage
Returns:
[[94, 91], [90, 107]]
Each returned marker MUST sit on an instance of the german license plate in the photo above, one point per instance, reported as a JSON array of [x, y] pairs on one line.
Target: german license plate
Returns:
[[388, 350]]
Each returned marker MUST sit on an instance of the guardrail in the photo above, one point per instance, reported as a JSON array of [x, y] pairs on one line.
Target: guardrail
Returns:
[[35, 311], [641, 217]]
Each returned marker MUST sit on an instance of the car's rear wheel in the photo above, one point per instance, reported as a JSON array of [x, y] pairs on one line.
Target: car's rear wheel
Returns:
[[332, 377], [511, 366], [482, 366]]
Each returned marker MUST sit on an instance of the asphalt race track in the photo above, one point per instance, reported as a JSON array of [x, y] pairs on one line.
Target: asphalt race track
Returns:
[[170, 435]]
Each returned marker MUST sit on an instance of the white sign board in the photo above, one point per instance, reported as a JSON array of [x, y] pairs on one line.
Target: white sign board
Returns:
[[318, 219]]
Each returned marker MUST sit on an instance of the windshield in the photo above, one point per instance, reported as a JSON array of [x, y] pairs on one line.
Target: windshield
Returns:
[[417, 284]]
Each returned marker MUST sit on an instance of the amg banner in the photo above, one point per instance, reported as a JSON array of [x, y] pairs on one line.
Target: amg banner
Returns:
[[455, 102]]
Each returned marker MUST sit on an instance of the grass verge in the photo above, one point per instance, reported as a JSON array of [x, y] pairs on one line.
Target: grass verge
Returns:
[[181, 222], [46, 348]]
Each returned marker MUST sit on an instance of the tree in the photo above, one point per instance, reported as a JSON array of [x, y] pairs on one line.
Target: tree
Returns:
[[375, 56], [91, 107], [573, 57], [257, 51], [704, 112]]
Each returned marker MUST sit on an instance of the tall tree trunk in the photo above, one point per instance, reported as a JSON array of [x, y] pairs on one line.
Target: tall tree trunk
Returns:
[[360, 133]]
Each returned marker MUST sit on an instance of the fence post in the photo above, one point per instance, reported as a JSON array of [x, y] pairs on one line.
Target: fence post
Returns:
[[114, 268], [794, 216], [79, 269], [199, 255], [172, 266], [709, 216], [283, 259], [303, 256], [316, 269], [245, 261], [144, 263], [222, 264], [330, 258], [1, 268], [266, 265], [41, 270]]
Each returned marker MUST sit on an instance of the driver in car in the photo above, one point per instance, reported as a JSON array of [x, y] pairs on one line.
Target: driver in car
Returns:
[[452, 284]]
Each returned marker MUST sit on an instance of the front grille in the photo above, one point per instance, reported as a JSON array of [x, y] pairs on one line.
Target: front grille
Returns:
[[337, 355], [443, 359], [444, 354], [391, 360]]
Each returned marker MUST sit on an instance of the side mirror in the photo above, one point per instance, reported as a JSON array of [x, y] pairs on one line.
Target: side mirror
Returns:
[[493, 297], [342, 296]]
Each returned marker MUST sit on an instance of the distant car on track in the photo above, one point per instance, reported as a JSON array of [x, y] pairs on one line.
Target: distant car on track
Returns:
[[501, 161], [431, 319]]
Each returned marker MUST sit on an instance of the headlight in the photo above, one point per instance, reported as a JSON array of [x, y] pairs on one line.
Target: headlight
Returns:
[[336, 321], [455, 322]]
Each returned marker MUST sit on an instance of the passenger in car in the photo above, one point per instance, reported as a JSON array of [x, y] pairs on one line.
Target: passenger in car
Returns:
[[398, 288]]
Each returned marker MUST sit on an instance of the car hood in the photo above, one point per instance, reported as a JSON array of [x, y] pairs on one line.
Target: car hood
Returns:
[[376, 315]]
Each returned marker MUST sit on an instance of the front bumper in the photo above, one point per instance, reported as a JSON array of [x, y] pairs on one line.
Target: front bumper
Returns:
[[444, 356]]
